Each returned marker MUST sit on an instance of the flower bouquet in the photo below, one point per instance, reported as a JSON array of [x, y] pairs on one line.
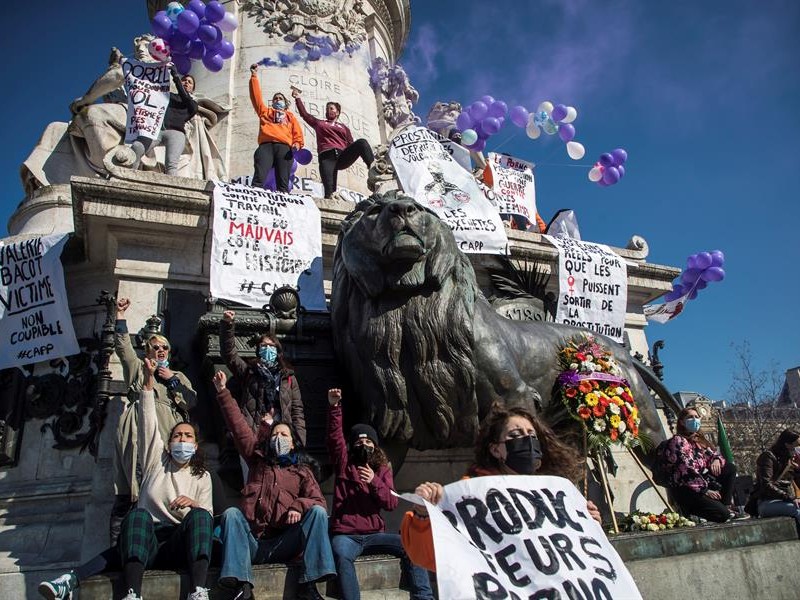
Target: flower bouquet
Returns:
[[596, 395], [641, 521]]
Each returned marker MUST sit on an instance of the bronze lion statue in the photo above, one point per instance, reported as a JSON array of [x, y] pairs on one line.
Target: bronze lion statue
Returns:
[[426, 352]]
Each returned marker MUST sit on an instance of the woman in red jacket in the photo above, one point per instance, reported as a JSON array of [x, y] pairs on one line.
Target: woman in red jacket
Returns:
[[283, 512], [363, 488], [279, 134]]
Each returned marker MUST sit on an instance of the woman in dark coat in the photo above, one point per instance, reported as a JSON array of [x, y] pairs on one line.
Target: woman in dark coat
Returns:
[[777, 475]]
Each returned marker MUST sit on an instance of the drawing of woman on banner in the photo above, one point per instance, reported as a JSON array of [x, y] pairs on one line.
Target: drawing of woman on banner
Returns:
[[439, 190]]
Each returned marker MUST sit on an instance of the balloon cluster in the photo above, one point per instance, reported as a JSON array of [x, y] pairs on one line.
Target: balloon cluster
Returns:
[[701, 269], [485, 117], [311, 48], [610, 168], [193, 33], [558, 119]]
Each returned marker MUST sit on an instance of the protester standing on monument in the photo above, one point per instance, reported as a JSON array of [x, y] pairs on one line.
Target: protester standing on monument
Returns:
[[700, 479], [778, 478], [174, 398], [510, 442], [171, 527], [283, 512], [363, 488], [268, 383], [336, 150], [182, 107], [279, 135]]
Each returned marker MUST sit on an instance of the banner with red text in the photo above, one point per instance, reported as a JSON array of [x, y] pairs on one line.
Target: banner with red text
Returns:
[[263, 240], [521, 536], [513, 186], [147, 87], [35, 322]]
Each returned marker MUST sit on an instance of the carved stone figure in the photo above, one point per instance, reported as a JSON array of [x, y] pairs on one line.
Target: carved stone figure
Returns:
[[442, 119], [398, 95], [97, 130], [426, 352]]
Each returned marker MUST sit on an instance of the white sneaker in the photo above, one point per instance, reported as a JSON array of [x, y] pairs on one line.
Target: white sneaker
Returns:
[[199, 593], [131, 595]]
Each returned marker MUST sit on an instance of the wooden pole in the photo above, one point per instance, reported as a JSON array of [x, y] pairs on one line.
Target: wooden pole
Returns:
[[606, 489], [586, 470], [646, 472]]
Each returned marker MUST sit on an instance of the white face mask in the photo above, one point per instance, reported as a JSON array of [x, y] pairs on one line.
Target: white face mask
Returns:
[[280, 445]]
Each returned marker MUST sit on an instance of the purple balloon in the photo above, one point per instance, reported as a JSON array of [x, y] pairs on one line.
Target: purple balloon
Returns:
[[196, 49], [566, 131], [226, 49], [621, 170], [610, 175], [198, 7], [161, 24], [559, 113], [478, 146], [691, 262], [188, 22], [693, 294], [602, 183], [464, 121], [713, 274], [670, 296], [703, 260], [179, 43], [269, 180], [498, 109], [689, 276], [678, 289], [182, 63], [487, 100], [620, 156], [701, 284], [478, 110], [606, 159], [490, 125], [207, 34], [482, 135], [519, 116], [213, 62], [214, 11], [303, 156], [717, 258]]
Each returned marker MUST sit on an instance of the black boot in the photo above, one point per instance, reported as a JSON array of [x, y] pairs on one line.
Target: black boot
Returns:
[[308, 591]]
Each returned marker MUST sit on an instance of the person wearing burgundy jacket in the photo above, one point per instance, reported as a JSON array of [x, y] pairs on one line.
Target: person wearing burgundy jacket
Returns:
[[363, 488], [336, 150], [283, 512]]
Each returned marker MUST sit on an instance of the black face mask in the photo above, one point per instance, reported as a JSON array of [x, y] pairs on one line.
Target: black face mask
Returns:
[[361, 455], [524, 455]]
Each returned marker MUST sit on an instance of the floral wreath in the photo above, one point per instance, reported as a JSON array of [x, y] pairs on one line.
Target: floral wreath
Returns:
[[644, 521], [596, 394]]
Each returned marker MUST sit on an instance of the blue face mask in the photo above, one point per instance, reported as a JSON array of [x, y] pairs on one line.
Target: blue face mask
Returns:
[[182, 452], [692, 424], [163, 363], [268, 354], [279, 105]]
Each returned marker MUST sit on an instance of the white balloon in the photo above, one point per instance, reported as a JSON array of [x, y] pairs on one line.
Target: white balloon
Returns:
[[595, 174], [575, 150], [572, 114], [228, 23], [533, 131], [545, 106], [469, 137]]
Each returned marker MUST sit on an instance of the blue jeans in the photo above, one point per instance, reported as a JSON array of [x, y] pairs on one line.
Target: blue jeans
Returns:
[[779, 508], [346, 548], [240, 550]]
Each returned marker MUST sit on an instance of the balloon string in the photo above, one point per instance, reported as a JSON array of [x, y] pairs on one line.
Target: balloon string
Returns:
[[579, 165], [504, 142]]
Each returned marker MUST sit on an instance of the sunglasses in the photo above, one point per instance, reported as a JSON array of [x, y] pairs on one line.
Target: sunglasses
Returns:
[[157, 348]]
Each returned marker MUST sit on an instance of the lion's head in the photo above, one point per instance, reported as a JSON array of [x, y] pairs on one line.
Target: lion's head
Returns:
[[402, 309]]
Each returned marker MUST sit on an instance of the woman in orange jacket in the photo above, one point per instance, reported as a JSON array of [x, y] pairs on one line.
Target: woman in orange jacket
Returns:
[[511, 442], [279, 134]]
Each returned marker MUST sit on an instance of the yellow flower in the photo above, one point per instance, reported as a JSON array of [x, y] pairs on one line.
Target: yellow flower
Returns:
[[591, 399], [614, 420], [617, 400]]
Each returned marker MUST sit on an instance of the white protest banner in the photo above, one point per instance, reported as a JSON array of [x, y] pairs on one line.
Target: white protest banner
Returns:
[[35, 322], [661, 313], [429, 174], [263, 240], [147, 85], [459, 153], [311, 187], [513, 186], [521, 536], [592, 286]]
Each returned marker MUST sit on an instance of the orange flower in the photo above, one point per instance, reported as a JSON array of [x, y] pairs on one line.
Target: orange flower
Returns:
[[603, 399], [584, 412], [584, 387], [571, 392], [614, 434], [595, 385], [599, 410]]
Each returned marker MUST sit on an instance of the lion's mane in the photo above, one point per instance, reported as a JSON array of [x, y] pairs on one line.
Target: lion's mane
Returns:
[[406, 336]]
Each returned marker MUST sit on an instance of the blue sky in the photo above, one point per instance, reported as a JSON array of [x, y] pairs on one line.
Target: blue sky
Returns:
[[703, 95]]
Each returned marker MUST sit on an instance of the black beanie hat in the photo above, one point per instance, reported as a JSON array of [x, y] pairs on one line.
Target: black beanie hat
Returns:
[[363, 430]]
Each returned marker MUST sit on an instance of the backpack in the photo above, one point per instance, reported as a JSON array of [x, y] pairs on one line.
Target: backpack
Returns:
[[661, 472]]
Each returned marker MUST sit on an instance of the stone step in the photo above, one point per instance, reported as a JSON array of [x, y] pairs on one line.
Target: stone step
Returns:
[[378, 576]]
